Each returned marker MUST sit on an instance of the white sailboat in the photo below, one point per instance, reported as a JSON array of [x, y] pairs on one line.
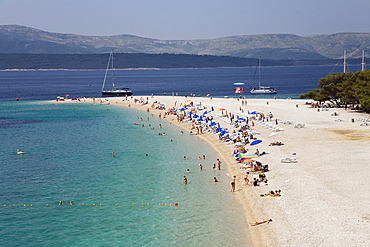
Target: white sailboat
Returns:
[[114, 91], [262, 89]]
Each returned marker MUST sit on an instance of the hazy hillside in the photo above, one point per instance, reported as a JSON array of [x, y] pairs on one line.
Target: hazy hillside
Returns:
[[20, 39]]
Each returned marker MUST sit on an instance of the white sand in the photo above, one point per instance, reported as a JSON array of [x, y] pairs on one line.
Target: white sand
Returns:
[[325, 201]]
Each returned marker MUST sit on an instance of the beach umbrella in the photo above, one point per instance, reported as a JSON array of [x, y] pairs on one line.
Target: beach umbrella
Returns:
[[198, 105], [244, 159], [272, 134], [195, 116], [251, 156], [222, 109], [233, 134], [254, 112], [255, 142], [212, 124], [239, 144], [240, 120]]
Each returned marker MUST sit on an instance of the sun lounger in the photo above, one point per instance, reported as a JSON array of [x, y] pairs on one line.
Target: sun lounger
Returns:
[[299, 125], [288, 160], [287, 122]]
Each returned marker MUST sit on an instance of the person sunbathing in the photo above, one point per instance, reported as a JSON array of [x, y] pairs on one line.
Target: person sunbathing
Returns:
[[261, 222], [272, 194], [276, 144]]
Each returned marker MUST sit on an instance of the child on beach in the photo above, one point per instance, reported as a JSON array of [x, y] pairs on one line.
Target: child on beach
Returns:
[[246, 179]]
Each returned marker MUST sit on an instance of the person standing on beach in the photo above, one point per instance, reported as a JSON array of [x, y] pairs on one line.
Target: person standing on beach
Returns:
[[233, 181], [219, 164], [246, 179]]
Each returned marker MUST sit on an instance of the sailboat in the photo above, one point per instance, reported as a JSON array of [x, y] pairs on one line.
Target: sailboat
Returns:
[[262, 89], [114, 91]]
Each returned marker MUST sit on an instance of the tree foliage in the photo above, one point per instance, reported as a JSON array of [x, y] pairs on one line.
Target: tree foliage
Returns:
[[343, 88]]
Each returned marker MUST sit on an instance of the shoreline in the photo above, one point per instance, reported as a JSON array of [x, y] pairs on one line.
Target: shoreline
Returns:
[[156, 68], [322, 200]]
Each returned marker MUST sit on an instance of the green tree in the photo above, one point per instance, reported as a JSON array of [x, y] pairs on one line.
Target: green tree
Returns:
[[340, 88]]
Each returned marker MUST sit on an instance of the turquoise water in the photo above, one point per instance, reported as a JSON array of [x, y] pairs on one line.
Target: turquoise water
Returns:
[[68, 158]]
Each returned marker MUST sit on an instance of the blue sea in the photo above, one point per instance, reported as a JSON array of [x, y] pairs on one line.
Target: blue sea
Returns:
[[218, 82], [128, 199]]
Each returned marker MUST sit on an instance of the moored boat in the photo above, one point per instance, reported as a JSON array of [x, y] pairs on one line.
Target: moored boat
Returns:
[[262, 89], [114, 91]]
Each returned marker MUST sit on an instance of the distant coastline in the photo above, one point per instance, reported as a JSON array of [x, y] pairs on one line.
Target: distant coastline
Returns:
[[131, 61]]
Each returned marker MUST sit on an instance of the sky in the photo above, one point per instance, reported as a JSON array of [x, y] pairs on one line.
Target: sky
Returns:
[[188, 19]]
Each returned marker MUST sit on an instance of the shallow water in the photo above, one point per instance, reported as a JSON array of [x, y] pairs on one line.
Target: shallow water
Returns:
[[68, 157]]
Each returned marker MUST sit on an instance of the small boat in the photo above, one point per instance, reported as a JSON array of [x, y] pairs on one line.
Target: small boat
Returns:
[[262, 89], [114, 91], [20, 152]]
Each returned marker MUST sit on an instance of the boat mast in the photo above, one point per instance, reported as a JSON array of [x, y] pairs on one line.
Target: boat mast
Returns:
[[345, 62], [363, 61], [113, 86], [259, 73], [106, 70]]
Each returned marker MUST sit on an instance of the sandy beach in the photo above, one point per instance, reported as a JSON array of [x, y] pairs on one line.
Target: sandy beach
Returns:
[[324, 201]]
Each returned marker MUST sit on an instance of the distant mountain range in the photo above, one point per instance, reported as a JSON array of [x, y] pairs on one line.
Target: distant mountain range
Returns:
[[21, 39]]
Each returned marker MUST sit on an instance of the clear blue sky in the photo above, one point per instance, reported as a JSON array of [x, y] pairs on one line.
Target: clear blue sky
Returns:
[[189, 19]]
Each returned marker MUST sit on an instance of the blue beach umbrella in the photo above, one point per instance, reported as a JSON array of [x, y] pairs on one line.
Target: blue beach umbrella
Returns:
[[255, 142], [240, 120]]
